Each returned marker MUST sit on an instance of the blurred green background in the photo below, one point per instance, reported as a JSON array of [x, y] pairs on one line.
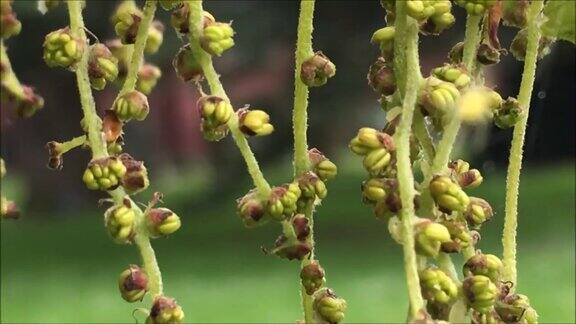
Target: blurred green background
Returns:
[[58, 265]]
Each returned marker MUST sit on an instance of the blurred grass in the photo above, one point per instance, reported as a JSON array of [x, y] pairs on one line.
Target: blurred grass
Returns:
[[64, 269]]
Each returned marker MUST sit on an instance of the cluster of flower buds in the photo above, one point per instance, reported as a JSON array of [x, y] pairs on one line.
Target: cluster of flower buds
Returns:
[[186, 65], [438, 98], [254, 122], [294, 246], [215, 113], [126, 21], [377, 148], [487, 265], [448, 194], [165, 310], [384, 37], [476, 7], [312, 276], [462, 174], [9, 24], [104, 174], [131, 105], [316, 70], [282, 202], [62, 49], [312, 188], [460, 236], [8, 208], [321, 165], [480, 293], [133, 284], [454, 74], [437, 287], [328, 307], [102, 66], [217, 37], [479, 211], [429, 237], [381, 77], [433, 15], [383, 195], [161, 222], [120, 221]]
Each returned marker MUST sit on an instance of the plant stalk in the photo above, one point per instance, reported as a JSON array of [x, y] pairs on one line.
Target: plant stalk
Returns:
[[516, 150]]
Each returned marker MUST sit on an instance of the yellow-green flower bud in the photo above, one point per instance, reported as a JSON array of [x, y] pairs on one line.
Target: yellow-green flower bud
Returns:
[[136, 177], [61, 49], [460, 237], [419, 9], [254, 122], [148, 76], [311, 186], [126, 21], [321, 165], [438, 97], [373, 190], [252, 210], [448, 195], [452, 74], [487, 55], [515, 308], [169, 4], [384, 37], [478, 212], [162, 222], [429, 238], [480, 293], [120, 222], [104, 174], [215, 113], [369, 139], [312, 277], [165, 310], [487, 265], [459, 166], [316, 70], [438, 23], [217, 38], [131, 105], [9, 24], [437, 287], [8, 209], [377, 161], [102, 66], [476, 7], [508, 114], [283, 200], [155, 37], [381, 77], [186, 65], [328, 308], [133, 284]]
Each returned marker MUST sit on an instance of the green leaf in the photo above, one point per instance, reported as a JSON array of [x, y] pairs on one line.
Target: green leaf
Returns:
[[561, 22]]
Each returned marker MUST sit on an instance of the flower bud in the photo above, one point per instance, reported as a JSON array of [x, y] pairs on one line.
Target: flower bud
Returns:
[[252, 210], [384, 37], [437, 287], [316, 70], [328, 308], [448, 195], [8, 209], [515, 13], [456, 53], [459, 166], [470, 179], [217, 38], [324, 168], [381, 77], [148, 76], [291, 248], [30, 103], [162, 222], [520, 42], [104, 174], [165, 310], [487, 54], [429, 238], [460, 237], [476, 7], [155, 37], [516, 308], [186, 65], [419, 9], [377, 161], [300, 224], [373, 190], [254, 122], [369, 139], [133, 284], [438, 23], [102, 66], [114, 148], [120, 222], [215, 113], [487, 265], [312, 186], [126, 21], [9, 24], [480, 293], [62, 49], [312, 276], [438, 97], [283, 200], [508, 114], [136, 177], [453, 74], [169, 4], [131, 105], [478, 212]]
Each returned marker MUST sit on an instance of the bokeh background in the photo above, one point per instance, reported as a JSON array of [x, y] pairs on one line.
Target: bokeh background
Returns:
[[58, 265]]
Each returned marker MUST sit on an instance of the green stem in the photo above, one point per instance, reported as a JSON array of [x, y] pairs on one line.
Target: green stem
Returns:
[[516, 150], [138, 49], [400, 23], [72, 144], [471, 41], [300, 114], [9, 80], [217, 89], [405, 176], [99, 150]]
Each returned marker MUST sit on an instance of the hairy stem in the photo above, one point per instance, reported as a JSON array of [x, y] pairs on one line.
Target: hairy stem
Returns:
[[217, 89], [471, 41], [72, 144], [138, 49], [400, 47], [99, 150], [405, 176], [516, 150]]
